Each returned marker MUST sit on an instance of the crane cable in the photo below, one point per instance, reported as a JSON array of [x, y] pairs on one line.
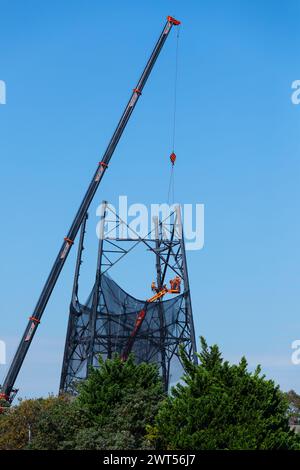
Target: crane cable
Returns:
[[171, 190]]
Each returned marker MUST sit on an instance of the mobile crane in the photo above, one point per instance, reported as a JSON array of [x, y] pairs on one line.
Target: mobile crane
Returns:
[[7, 390]]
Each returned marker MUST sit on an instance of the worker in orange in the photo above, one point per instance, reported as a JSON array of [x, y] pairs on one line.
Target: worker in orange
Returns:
[[175, 284]]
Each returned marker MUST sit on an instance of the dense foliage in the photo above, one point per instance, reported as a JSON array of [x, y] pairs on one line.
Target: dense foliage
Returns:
[[121, 398], [294, 406], [50, 422], [122, 406], [223, 406], [112, 409]]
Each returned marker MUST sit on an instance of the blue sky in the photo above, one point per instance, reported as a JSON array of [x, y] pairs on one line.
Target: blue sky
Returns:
[[69, 67]]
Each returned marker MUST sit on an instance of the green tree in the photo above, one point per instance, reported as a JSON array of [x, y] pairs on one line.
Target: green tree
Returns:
[[294, 406], [58, 425], [121, 398], [222, 406], [293, 398], [111, 411], [26, 421], [124, 429]]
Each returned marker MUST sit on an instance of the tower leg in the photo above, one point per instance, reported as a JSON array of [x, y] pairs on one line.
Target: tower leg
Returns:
[[188, 302], [71, 327], [96, 296], [161, 311]]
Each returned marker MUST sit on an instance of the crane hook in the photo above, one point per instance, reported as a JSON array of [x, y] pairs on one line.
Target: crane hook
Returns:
[[173, 158]]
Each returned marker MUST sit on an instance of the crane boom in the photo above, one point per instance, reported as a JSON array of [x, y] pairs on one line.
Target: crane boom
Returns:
[[59, 262]]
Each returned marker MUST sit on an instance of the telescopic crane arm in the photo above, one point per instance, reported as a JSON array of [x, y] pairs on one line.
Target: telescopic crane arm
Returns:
[[35, 318]]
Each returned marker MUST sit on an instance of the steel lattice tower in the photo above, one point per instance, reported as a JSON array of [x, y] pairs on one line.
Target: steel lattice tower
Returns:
[[104, 324]]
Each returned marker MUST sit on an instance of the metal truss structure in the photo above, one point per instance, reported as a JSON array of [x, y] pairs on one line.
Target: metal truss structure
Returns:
[[107, 322]]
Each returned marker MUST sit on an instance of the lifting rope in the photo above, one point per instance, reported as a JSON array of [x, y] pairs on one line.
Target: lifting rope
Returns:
[[171, 190]]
